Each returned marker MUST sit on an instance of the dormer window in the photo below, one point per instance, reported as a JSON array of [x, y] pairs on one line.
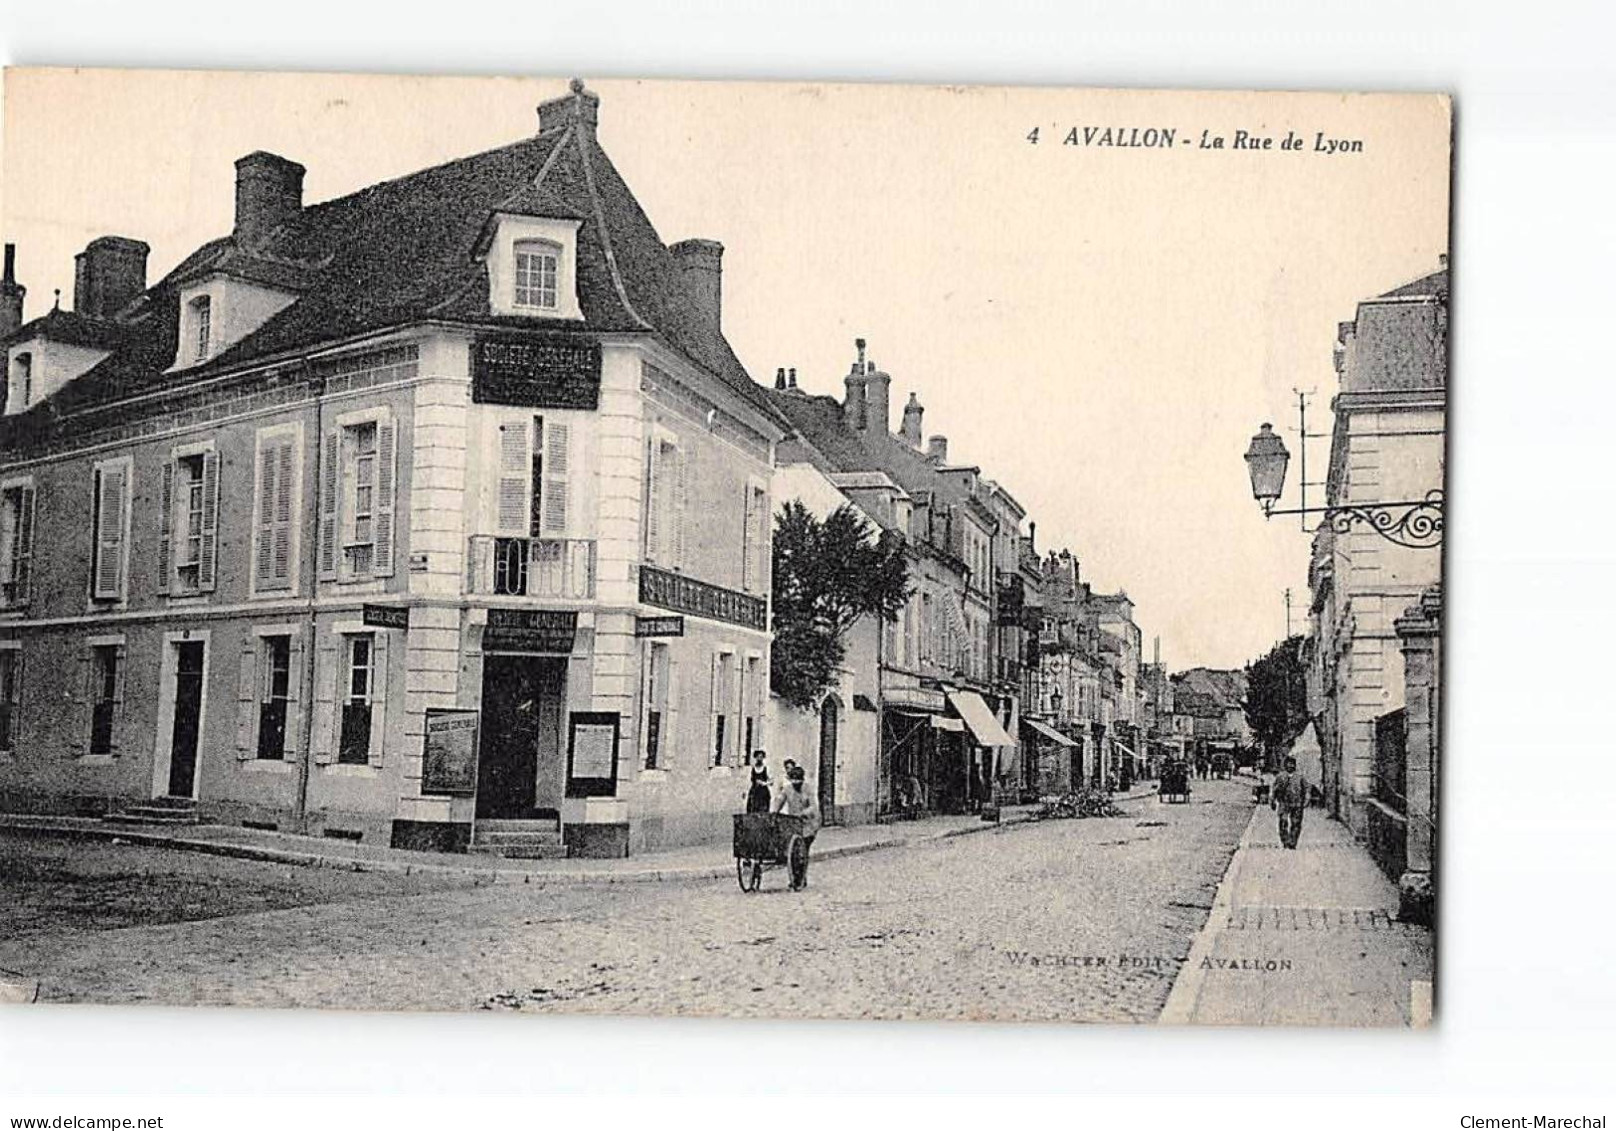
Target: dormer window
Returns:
[[533, 267], [202, 326], [537, 269]]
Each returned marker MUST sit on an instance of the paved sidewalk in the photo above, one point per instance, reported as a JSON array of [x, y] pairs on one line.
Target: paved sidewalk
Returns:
[[1308, 936], [698, 862]]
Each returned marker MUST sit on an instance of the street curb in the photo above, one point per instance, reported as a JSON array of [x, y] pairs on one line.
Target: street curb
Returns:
[[488, 876], [1186, 992]]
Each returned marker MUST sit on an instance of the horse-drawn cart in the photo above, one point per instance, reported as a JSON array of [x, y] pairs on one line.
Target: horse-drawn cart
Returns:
[[764, 841], [1175, 783]]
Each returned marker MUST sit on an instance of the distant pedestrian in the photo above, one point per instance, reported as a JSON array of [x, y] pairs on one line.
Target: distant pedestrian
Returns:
[[759, 794], [1289, 799], [796, 800]]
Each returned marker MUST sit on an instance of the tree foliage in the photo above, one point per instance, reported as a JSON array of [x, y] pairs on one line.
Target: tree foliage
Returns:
[[826, 576], [1276, 695]]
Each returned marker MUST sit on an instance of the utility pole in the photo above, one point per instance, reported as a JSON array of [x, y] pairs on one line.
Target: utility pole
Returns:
[[1288, 612], [1303, 436]]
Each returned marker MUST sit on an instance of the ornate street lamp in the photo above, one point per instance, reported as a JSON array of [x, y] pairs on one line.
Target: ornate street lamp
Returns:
[[1055, 698], [1266, 461], [1416, 523]]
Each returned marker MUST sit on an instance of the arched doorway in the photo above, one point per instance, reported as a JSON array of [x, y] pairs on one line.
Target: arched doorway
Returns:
[[829, 712]]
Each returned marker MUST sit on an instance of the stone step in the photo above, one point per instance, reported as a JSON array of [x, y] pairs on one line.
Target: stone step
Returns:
[[168, 802], [501, 836], [518, 825], [523, 851], [148, 814]]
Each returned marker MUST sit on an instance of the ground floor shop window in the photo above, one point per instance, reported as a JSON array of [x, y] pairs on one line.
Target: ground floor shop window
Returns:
[[104, 675], [274, 688], [358, 693]]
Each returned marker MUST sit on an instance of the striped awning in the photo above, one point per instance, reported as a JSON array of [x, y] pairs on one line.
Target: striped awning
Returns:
[[984, 726], [1048, 732]]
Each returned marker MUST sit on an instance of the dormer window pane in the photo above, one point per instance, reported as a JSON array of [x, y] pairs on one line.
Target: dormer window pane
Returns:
[[202, 319], [537, 262]]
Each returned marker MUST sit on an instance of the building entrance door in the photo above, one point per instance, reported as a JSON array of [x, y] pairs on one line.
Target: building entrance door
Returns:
[[187, 718], [828, 713], [520, 763]]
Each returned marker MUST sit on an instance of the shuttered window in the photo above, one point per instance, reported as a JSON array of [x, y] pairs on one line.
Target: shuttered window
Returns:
[[10, 697], [16, 544], [665, 495], [275, 509], [358, 487], [532, 492], [755, 539], [109, 563]]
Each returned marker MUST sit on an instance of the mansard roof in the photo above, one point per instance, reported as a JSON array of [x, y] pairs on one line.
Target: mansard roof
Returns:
[[408, 250]]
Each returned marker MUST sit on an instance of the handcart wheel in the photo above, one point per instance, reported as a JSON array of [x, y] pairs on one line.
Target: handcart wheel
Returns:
[[748, 873], [796, 859]]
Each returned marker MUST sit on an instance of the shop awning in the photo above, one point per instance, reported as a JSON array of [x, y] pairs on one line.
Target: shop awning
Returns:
[[943, 722], [983, 725], [1048, 732]]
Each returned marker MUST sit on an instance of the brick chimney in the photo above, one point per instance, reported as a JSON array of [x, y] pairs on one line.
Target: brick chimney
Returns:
[[107, 275], [11, 294], [911, 421], [877, 399], [937, 450], [269, 193], [578, 107], [701, 266]]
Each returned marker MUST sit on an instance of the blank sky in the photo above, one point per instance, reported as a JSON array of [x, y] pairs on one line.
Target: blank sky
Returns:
[[1101, 330]]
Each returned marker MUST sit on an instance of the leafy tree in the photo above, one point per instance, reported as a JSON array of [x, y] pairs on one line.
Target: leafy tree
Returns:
[[1276, 696], [826, 576]]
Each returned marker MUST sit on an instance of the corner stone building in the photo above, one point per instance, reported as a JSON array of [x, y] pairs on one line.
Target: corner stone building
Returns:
[[465, 449]]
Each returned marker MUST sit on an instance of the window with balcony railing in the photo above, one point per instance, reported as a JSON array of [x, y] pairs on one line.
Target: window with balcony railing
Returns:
[[532, 567]]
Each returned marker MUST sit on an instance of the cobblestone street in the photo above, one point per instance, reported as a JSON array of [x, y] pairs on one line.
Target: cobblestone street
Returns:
[[1064, 920]]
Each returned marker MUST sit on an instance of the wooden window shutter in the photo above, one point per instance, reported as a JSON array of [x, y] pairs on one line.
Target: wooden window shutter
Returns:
[[113, 489], [294, 695], [207, 571], [328, 665], [264, 517], [79, 741], [22, 553], [247, 683], [285, 481], [513, 509], [386, 484], [378, 696], [557, 460], [748, 543], [654, 486], [667, 745], [165, 529], [330, 459], [680, 487], [120, 678]]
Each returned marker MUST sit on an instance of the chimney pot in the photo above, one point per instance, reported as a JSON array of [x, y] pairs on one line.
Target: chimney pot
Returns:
[[937, 449], [269, 193], [791, 377], [107, 275], [912, 413], [701, 264], [579, 107], [11, 294]]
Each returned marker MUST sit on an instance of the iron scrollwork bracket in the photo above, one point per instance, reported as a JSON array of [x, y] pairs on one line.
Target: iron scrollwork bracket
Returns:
[[1414, 524]]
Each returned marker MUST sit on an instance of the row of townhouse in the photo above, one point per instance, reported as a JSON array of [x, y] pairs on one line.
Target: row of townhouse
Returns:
[[971, 699], [428, 515]]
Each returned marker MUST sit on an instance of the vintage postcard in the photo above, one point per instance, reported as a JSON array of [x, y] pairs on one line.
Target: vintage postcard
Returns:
[[727, 549]]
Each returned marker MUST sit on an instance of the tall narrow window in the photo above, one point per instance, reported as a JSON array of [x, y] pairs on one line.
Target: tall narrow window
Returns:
[[537, 263], [110, 521], [358, 692], [202, 324], [10, 697], [751, 692], [360, 539], [666, 473], [189, 498], [16, 544], [275, 511], [22, 380], [274, 690], [104, 677], [755, 539], [656, 706], [723, 704]]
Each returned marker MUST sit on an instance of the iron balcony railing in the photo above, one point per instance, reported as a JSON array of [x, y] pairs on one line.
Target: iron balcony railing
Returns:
[[531, 567]]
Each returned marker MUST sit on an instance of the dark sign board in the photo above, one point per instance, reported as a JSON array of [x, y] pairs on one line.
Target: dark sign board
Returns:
[[659, 626], [592, 754], [687, 595], [531, 630], [542, 372], [386, 616], [449, 758]]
